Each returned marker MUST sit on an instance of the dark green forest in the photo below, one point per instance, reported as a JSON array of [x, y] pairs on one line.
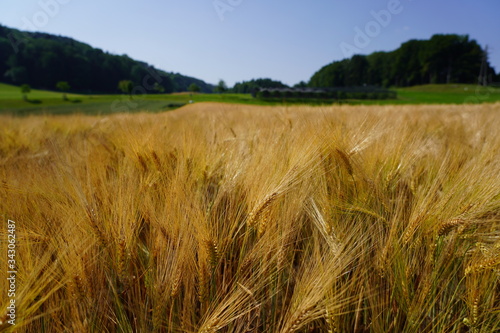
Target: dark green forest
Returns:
[[42, 60], [442, 59]]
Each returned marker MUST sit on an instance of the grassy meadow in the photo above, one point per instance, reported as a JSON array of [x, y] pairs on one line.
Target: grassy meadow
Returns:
[[241, 218], [41, 102]]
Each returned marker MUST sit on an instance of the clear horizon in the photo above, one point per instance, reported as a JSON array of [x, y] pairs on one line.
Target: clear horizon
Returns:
[[238, 40]]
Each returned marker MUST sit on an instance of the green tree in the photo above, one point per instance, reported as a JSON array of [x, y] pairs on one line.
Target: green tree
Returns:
[[126, 86], [300, 85], [64, 87], [194, 88], [221, 87], [332, 75], [158, 88], [25, 90], [356, 71], [16, 74]]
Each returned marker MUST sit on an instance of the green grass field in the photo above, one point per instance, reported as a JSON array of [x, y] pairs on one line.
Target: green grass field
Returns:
[[449, 94], [48, 102]]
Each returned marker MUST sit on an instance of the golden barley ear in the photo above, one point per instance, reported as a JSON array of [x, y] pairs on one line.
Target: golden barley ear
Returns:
[[475, 310], [263, 222], [245, 267], [450, 225], [213, 252], [482, 265], [412, 228], [176, 283], [331, 322], [281, 260], [121, 260], [211, 326], [256, 214], [77, 287], [101, 238], [142, 162], [156, 160], [300, 320]]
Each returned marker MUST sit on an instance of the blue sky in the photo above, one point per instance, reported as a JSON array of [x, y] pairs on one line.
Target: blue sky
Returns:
[[237, 40]]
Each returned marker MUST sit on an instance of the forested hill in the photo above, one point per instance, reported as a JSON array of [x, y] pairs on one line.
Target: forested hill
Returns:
[[41, 60], [442, 59]]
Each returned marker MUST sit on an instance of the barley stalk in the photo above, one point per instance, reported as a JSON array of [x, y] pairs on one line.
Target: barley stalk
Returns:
[[203, 282], [345, 160]]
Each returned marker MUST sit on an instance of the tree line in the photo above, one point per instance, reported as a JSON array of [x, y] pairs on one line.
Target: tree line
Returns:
[[447, 58], [42, 60], [442, 59], [253, 86]]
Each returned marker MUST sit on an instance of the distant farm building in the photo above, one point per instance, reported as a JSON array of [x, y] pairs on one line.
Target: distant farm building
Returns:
[[337, 93]]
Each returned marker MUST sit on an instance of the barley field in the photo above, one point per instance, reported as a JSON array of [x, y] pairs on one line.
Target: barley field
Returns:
[[240, 218]]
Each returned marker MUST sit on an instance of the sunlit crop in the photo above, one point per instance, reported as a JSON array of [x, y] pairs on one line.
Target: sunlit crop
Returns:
[[232, 218]]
